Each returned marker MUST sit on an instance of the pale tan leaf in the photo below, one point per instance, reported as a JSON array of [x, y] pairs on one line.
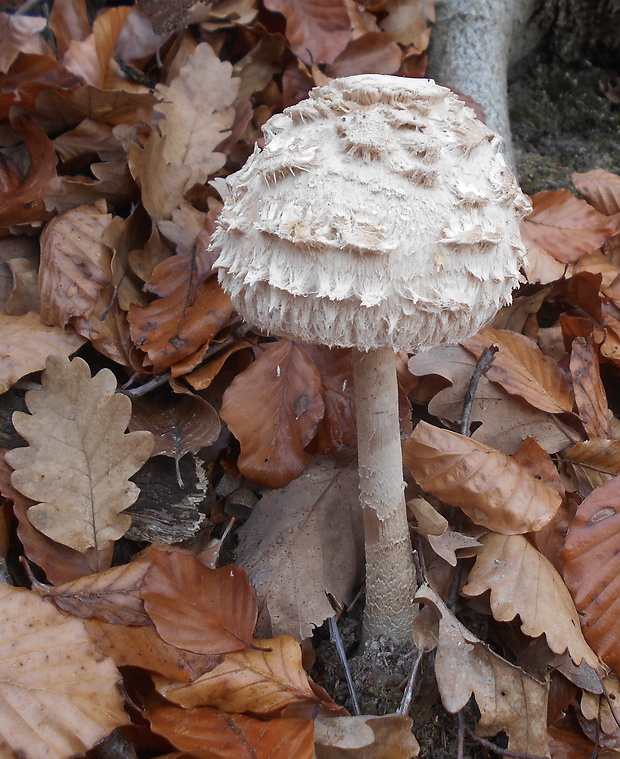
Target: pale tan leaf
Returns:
[[509, 700], [448, 543], [79, 459], [409, 22], [491, 488], [365, 737], [261, 681], [26, 343], [594, 462], [521, 368], [596, 707], [58, 695], [429, 520], [522, 582], [600, 188], [302, 542], [24, 297], [75, 263], [198, 113], [590, 394]]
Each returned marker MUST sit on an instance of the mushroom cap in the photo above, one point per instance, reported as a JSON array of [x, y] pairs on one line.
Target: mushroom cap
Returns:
[[379, 214]]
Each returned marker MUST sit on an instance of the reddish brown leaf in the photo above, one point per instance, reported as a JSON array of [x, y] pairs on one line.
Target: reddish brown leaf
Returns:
[[491, 488], [69, 21], [233, 736], [273, 409], [537, 461], [600, 188], [20, 34], [592, 569], [567, 741], [565, 226], [521, 368], [208, 611], [590, 394], [373, 53], [317, 30], [594, 462]]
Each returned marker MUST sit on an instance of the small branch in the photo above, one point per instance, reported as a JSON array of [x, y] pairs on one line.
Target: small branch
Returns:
[[460, 736], [408, 694], [334, 636], [500, 751], [483, 364], [152, 384]]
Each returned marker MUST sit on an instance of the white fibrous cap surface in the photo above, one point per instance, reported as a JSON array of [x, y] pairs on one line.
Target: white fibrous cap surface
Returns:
[[378, 214]]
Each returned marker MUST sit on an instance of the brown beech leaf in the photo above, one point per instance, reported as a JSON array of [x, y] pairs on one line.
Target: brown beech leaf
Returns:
[[20, 34], [365, 737], [567, 741], [537, 461], [207, 611], [491, 488], [509, 700], [521, 368], [262, 680], [190, 310], [600, 188], [58, 695], [590, 394], [506, 419], [372, 53], [273, 409], [112, 596], [198, 113], [409, 22], [26, 343], [594, 462], [301, 543], [69, 21], [592, 569], [522, 582], [317, 30], [566, 227], [208, 733], [75, 263], [79, 458]]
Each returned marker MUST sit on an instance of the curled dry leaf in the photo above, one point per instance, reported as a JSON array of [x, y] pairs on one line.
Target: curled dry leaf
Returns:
[[509, 700], [302, 543], [207, 611], [592, 569], [75, 263], [491, 488], [262, 680], [79, 458], [58, 695], [365, 737], [20, 34], [26, 343], [590, 394], [600, 188], [522, 582], [593, 462], [273, 409], [233, 735], [198, 113], [566, 227], [429, 520], [521, 368]]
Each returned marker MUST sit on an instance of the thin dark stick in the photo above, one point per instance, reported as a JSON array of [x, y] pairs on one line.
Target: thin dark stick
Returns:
[[498, 750], [408, 694], [152, 384], [483, 364], [334, 636], [460, 736], [597, 738]]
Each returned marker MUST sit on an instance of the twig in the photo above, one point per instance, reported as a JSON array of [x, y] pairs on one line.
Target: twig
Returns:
[[408, 694], [483, 364], [334, 636], [460, 736], [498, 750], [152, 384]]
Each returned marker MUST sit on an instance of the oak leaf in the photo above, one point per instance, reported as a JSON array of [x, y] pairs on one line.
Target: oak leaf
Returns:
[[207, 611], [273, 409], [78, 461], [58, 695], [522, 582], [491, 488]]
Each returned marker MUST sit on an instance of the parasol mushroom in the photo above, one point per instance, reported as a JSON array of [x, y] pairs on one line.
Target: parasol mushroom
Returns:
[[378, 216]]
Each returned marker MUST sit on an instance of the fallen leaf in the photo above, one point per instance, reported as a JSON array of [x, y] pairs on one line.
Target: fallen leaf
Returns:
[[429, 520], [566, 227], [409, 22], [592, 569], [301, 543], [233, 736], [538, 463], [522, 582], [509, 700], [273, 409], [68, 21], [58, 695], [20, 34], [594, 462], [600, 188], [590, 394], [77, 445], [365, 737], [207, 611], [521, 368], [24, 296], [75, 263], [26, 343], [491, 488], [596, 706], [450, 542], [372, 53], [261, 681], [317, 30], [569, 742]]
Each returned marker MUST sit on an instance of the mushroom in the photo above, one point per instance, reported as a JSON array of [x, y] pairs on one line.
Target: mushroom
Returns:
[[379, 216]]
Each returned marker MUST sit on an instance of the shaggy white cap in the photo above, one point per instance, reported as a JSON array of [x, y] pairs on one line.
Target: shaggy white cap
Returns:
[[379, 214]]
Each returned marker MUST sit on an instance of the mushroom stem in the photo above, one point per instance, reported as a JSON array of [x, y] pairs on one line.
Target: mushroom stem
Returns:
[[390, 574]]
